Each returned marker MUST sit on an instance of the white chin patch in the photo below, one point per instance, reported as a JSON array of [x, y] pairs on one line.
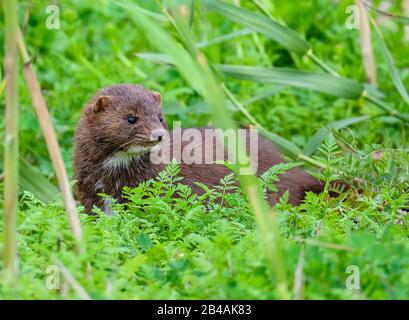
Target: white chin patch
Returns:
[[123, 158], [138, 150]]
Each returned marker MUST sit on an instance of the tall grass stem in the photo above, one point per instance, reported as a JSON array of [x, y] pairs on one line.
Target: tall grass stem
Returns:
[[11, 161], [40, 107]]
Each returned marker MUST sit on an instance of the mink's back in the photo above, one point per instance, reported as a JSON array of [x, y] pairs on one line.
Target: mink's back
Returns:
[[94, 177], [296, 181]]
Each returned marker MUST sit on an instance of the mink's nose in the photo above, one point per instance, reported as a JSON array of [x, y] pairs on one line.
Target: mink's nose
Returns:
[[157, 135]]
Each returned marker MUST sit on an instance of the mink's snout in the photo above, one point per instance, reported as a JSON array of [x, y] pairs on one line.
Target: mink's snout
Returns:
[[157, 135]]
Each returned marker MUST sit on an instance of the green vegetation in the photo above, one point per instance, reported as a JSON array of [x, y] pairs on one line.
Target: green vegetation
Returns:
[[294, 70]]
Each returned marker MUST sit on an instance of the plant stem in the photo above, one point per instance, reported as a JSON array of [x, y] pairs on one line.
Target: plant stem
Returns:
[[293, 152], [11, 144], [383, 106], [50, 137], [69, 278], [380, 104], [2, 86], [321, 63], [239, 106], [366, 44]]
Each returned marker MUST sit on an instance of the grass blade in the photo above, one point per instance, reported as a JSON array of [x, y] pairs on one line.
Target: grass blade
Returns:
[[155, 57], [286, 37], [299, 277], [11, 144], [264, 95], [165, 59], [223, 38], [32, 180], [287, 147], [366, 44], [316, 140], [44, 118], [390, 63], [69, 278], [405, 5], [321, 82]]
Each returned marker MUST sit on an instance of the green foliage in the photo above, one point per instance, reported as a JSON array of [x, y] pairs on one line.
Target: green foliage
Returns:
[[337, 86], [166, 242], [260, 23], [330, 158], [269, 177]]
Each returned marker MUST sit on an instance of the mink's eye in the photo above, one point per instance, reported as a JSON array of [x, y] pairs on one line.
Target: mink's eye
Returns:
[[160, 119], [132, 119]]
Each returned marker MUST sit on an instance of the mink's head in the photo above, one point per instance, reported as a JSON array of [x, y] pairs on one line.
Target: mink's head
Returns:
[[126, 118]]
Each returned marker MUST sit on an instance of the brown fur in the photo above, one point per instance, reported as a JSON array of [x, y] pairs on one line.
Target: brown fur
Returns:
[[103, 130]]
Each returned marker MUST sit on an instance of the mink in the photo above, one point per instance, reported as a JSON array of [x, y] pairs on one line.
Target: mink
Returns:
[[119, 128]]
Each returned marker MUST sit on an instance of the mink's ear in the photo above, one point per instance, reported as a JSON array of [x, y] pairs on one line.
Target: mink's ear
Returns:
[[157, 97], [101, 103]]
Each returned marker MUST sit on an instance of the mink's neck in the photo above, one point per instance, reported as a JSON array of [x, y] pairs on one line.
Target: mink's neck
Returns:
[[114, 169]]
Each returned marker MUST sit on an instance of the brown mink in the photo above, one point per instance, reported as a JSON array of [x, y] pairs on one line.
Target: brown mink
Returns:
[[120, 126]]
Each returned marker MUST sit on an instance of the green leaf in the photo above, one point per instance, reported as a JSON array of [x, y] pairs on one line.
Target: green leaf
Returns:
[[31, 179], [316, 140], [321, 82], [287, 147], [269, 178], [154, 57], [264, 95], [133, 265], [262, 24], [223, 38], [390, 63]]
